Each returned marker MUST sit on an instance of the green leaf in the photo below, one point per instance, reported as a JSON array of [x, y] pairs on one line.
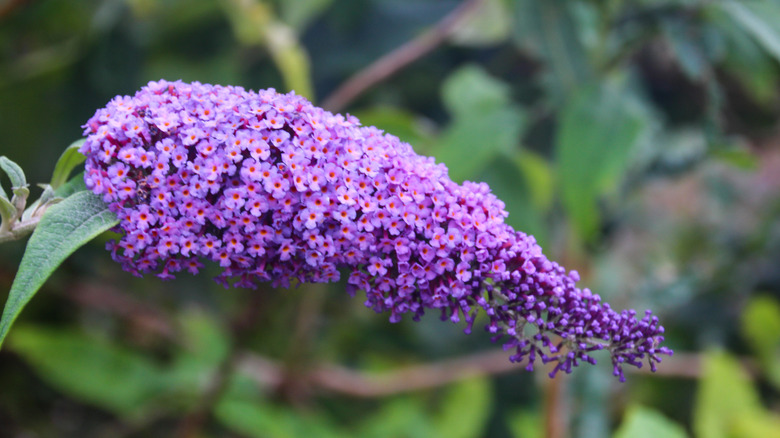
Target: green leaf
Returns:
[[14, 172], [399, 122], [641, 422], [64, 228], [686, 48], [7, 210], [507, 181], [547, 29], [484, 124], [206, 346], [68, 161], [299, 13], [471, 90], [538, 177], [746, 60], [727, 403], [256, 418], [74, 185], [526, 424], [760, 18], [761, 329], [465, 410], [490, 25], [89, 369], [470, 144], [403, 416], [598, 131]]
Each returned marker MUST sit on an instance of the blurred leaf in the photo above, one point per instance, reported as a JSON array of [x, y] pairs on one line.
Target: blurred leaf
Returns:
[[471, 90], [254, 23], [641, 422], [263, 420], [507, 181], [539, 178], [745, 59], [399, 417], [490, 25], [64, 228], [470, 144], [398, 122], [687, 50], [760, 18], [728, 405], [7, 212], [68, 161], [299, 13], [465, 410], [598, 131], [547, 30], [761, 329], [14, 172], [526, 424], [740, 158], [89, 369], [484, 126], [206, 346], [74, 185]]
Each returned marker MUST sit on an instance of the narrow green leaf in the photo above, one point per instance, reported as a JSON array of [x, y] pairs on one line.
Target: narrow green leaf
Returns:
[[68, 161], [74, 185], [89, 369], [14, 172], [465, 409], [7, 210], [490, 25], [686, 48], [760, 18], [547, 29], [299, 13], [64, 228], [641, 422], [599, 129]]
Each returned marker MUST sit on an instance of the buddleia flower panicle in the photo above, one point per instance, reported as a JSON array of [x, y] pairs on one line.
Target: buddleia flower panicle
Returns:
[[272, 188]]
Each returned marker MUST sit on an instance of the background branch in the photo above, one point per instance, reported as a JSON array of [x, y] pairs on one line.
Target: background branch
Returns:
[[399, 58]]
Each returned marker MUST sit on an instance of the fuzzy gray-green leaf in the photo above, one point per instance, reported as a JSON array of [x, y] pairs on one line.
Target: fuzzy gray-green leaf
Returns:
[[14, 172], [64, 228]]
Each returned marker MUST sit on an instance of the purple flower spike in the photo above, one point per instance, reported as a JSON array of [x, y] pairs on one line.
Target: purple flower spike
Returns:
[[275, 189]]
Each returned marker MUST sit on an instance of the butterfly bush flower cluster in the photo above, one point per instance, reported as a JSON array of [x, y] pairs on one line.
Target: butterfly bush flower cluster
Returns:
[[275, 189]]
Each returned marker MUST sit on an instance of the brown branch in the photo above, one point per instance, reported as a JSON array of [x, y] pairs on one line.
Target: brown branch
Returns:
[[556, 416], [10, 6], [191, 424], [335, 378], [399, 58], [105, 297]]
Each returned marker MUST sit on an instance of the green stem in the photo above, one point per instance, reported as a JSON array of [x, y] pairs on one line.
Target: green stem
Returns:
[[19, 230]]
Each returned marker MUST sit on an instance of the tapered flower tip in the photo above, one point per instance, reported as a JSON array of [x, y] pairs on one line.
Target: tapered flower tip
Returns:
[[273, 188]]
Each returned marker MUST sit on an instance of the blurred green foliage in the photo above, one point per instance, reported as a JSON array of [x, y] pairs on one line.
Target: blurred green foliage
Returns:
[[637, 140]]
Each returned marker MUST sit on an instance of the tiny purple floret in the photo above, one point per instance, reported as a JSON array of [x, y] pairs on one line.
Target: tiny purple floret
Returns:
[[275, 189]]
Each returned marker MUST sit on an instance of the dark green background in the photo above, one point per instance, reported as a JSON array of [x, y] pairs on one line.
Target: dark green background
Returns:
[[637, 140]]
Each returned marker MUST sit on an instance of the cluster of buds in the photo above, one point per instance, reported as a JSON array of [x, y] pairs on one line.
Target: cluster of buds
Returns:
[[275, 189]]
